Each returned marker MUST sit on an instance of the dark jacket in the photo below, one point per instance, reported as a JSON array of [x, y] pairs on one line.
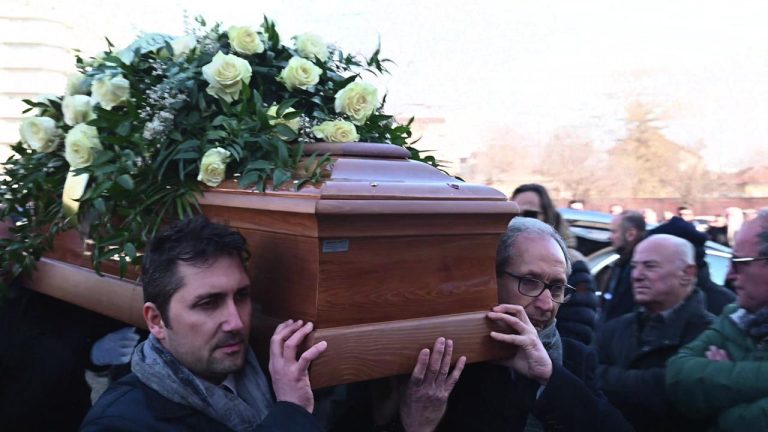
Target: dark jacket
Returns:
[[633, 351], [44, 353], [717, 297], [618, 298], [488, 398], [130, 405], [576, 318]]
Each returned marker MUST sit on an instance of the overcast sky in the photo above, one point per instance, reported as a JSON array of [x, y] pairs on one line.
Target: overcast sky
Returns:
[[532, 66]]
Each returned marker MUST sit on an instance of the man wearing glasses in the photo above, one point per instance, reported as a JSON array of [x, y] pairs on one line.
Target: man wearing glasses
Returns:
[[548, 383], [723, 374]]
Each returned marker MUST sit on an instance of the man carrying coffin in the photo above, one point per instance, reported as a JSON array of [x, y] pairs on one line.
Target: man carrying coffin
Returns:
[[196, 370], [549, 383]]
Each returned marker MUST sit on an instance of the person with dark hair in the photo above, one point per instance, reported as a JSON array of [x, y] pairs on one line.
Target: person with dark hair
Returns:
[[627, 229], [685, 213], [534, 202], [196, 370], [716, 297], [549, 383], [634, 348], [723, 375]]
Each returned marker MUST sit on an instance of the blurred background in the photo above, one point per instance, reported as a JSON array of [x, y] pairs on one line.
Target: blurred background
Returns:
[[647, 104]]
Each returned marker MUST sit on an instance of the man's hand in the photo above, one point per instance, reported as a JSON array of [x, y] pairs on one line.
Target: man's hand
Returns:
[[426, 396], [290, 377], [716, 354], [115, 348], [530, 359]]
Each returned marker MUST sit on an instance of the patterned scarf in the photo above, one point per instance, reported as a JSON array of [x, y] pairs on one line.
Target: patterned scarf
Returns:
[[550, 338], [754, 324], [158, 369]]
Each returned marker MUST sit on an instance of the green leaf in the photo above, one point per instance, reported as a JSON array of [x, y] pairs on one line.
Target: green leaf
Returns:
[[286, 132], [130, 250], [99, 205], [284, 105], [280, 176], [125, 181], [260, 164], [125, 128]]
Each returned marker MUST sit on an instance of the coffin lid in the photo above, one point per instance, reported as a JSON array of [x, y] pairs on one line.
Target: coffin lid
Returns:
[[368, 177]]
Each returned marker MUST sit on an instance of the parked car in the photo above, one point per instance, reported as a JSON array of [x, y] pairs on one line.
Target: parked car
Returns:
[[593, 229]]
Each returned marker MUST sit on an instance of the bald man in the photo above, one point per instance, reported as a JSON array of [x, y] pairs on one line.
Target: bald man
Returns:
[[634, 348]]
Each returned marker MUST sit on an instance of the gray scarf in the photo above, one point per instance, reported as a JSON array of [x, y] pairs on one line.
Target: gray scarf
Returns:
[[158, 369], [754, 324], [550, 338]]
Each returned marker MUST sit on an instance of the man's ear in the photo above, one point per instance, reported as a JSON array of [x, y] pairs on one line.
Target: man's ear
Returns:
[[154, 320], [690, 272]]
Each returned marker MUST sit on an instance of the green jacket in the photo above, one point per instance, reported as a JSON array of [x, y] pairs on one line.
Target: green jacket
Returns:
[[734, 393]]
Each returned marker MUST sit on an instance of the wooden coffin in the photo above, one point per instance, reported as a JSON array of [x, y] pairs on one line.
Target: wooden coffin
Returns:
[[384, 256]]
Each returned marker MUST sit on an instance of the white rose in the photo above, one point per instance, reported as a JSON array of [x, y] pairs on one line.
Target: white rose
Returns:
[[300, 73], [77, 109], [80, 145], [76, 84], [110, 91], [226, 75], [40, 134], [293, 124], [358, 100], [310, 45], [182, 46], [336, 131], [213, 167], [245, 40]]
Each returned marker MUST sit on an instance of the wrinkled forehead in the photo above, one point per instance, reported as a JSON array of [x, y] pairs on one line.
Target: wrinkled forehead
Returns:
[[534, 254], [747, 239]]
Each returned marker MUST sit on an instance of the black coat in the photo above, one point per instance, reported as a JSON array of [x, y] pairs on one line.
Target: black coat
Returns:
[[44, 351], [717, 297], [488, 398], [618, 298], [576, 318], [633, 352], [131, 406]]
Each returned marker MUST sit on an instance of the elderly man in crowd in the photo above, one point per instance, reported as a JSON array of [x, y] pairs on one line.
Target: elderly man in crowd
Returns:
[[723, 374], [634, 348], [627, 229], [547, 384], [196, 370]]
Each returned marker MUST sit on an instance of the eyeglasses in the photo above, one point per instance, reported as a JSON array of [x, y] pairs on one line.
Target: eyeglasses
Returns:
[[530, 214], [533, 288], [736, 261]]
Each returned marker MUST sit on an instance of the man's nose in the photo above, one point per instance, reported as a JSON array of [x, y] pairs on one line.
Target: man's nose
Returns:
[[232, 320], [544, 301], [637, 274]]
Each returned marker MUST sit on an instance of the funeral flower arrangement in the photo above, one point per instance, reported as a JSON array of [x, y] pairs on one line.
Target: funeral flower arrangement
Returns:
[[144, 129]]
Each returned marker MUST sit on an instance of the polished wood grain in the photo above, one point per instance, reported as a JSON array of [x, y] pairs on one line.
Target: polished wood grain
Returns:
[[364, 352], [392, 278], [417, 261], [117, 298]]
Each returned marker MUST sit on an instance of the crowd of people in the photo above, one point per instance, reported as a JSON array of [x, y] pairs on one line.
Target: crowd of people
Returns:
[[663, 348]]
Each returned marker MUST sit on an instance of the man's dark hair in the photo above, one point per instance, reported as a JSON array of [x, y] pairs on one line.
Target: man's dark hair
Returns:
[[633, 219], [196, 241], [550, 215]]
